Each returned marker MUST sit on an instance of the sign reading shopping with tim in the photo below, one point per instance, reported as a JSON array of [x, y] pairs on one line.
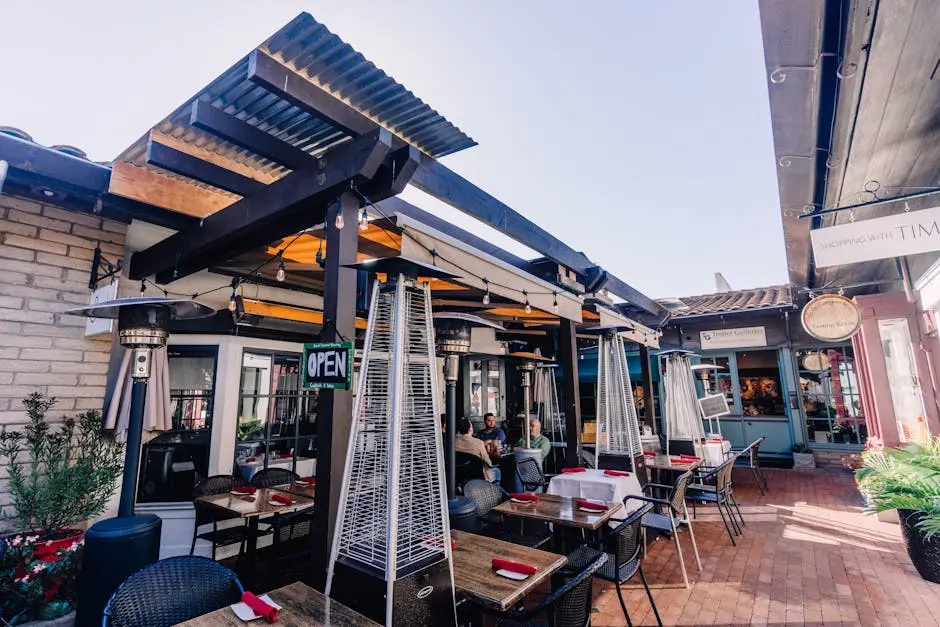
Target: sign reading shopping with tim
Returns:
[[328, 365]]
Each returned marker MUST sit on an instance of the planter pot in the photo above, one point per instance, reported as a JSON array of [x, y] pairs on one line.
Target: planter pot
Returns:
[[63, 621], [924, 553], [48, 551], [804, 460]]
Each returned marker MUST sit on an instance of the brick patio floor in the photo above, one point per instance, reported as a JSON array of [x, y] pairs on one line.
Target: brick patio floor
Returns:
[[808, 556]]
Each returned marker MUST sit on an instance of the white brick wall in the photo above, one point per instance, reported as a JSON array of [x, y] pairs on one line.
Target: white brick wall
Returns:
[[45, 260]]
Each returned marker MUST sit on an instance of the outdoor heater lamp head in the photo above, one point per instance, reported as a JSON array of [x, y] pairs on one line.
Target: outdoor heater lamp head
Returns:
[[393, 266], [452, 331]]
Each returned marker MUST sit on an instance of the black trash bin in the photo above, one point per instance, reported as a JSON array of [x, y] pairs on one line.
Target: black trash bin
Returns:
[[114, 549]]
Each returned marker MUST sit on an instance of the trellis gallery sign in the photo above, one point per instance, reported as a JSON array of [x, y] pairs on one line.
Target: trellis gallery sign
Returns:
[[831, 318], [744, 337], [328, 365], [879, 238]]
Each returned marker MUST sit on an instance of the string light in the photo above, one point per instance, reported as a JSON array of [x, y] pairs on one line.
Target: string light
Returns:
[[232, 304], [554, 302], [364, 219], [486, 294], [528, 307], [340, 222], [143, 288], [321, 260], [281, 272]]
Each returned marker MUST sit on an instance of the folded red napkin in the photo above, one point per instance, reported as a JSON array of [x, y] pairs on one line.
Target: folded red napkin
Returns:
[[285, 455], [570, 470], [268, 612], [245, 489], [591, 505], [616, 473], [524, 496], [515, 567], [308, 480], [650, 453], [280, 498], [691, 458], [251, 459]]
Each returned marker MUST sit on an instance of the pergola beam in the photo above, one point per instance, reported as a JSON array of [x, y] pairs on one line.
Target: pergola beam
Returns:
[[286, 206], [184, 164]]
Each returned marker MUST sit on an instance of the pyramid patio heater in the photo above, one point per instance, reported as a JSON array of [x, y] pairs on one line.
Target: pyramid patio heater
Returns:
[[391, 553], [618, 427], [453, 340], [684, 430], [546, 395], [527, 365], [117, 547]]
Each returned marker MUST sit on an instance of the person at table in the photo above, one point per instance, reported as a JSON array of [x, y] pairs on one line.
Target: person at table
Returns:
[[490, 430], [536, 439], [466, 443]]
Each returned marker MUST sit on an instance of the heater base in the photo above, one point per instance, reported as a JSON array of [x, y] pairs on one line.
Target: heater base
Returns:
[[423, 597]]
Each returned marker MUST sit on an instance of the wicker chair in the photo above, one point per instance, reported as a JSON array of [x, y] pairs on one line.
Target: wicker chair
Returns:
[[171, 591], [623, 549], [715, 487], [530, 474], [567, 606], [270, 477], [750, 458], [676, 514], [468, 466], [205, 515], [486, 496]]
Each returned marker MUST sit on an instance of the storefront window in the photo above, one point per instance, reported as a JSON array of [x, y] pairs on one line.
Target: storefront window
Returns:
[[830, 395], [906, 395], [759, 384], [719, 380], [173, 462], [277, 417]]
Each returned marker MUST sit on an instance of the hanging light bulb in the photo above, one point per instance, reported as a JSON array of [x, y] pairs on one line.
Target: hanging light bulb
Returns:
[[232, 305], [281, 272], [321, 259], [340, 222], [555, 302], [143, 288], [486, 294], [528, 307], [364, 220]]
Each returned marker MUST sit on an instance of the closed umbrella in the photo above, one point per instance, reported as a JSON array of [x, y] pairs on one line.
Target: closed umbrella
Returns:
[[683, 421], [157, 414]]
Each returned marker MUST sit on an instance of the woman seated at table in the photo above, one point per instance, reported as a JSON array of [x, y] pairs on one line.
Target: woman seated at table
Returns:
[[466, 443]]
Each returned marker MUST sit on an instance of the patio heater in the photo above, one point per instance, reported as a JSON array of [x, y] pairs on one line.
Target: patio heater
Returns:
[[703, 373], [527, 365], [391, 553], [546, 395], [618, 428], [117, 547], [453, 340], [683, 417]]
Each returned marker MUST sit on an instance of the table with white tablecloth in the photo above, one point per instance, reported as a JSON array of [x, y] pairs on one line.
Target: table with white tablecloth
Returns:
[[714, 452], [594, 484]]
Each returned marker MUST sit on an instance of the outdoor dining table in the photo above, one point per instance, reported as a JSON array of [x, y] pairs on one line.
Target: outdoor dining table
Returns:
[[559, 510], [594, 484], [300, 489], [301, 606], [475, 577], [253, 510]]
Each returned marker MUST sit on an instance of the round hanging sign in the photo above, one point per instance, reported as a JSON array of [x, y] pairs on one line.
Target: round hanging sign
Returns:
[[831, 318]]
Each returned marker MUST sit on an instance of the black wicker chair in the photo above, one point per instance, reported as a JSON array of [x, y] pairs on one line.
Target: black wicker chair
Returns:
[[566, 606], [206, 515], [715, 487], [486, 496], [750, 458], [171, 591], [292, 549], [623, 548], [270, 477], [468, 466], [530, 474]]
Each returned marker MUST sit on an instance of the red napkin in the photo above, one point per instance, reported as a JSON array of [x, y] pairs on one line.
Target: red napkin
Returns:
[[616, 473], [650, 453], [285, 455], [591, 505], [570, 470], [515, 567], [250, 459], [280, 498], [524, 496], [268, 612], [245, 489], [308, 480], [690, 458]]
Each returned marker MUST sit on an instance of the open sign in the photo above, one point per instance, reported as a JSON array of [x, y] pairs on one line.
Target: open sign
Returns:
[[328, 365]]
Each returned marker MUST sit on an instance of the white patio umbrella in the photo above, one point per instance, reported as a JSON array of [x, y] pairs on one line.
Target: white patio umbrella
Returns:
[[683, 420], [156, 404]]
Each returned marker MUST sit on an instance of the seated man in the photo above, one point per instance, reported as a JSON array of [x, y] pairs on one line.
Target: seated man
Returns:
[[491, 431], [466, 443], [536, 439]]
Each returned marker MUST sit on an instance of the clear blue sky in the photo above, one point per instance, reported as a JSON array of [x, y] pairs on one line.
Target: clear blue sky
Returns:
[[636, 131]]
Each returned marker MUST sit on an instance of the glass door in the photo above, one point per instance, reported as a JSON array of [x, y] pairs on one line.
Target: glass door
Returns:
[[906, 393]]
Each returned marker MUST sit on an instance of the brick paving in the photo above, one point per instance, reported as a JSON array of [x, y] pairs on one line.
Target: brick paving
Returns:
[[808, 556]]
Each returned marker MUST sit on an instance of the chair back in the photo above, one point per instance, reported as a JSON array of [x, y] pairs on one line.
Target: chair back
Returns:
[[625, 540], [468, 466], [639, 467], [681, 447], [172, 591], [530, 474], [570, 605], [484, 495], [677, 498], [754, 448], [216, 484], [270, 477], [723, 475]]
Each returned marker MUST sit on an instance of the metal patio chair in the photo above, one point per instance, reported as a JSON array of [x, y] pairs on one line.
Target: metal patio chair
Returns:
[[715, 487], [172, 591], [676, 514], [270, 477], [530, 474], [486, 496], [206, 515], [624, 554], [750, 458]]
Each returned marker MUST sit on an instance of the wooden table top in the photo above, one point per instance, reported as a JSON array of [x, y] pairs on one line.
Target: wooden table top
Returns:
[[258, 506], [668, 464], [560, 510], [474, 574], [301, 606], [307, 490]]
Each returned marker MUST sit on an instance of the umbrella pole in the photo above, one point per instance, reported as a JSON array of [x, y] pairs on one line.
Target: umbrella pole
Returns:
[[135, 428]]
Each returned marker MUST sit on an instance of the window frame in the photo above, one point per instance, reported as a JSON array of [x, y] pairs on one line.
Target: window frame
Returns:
[[854, 394]]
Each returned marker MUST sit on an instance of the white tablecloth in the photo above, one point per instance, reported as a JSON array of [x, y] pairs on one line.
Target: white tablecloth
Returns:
[[306, 467], [713, 454], [594, 484]]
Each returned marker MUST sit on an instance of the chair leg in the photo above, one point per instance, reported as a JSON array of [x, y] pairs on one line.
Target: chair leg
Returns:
[[740, 515], [675, 537], [693, 508], [757, 479], [649, 595], [763, 479], [623, 605], [192, 547], [688, 521], [727, 527], [734, 521]]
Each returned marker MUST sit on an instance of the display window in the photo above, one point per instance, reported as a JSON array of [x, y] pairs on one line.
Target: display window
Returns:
[[830, 395]]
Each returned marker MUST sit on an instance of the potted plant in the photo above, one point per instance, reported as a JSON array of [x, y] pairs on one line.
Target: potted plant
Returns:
[[803, 456], [34, 588], [908, 480]]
